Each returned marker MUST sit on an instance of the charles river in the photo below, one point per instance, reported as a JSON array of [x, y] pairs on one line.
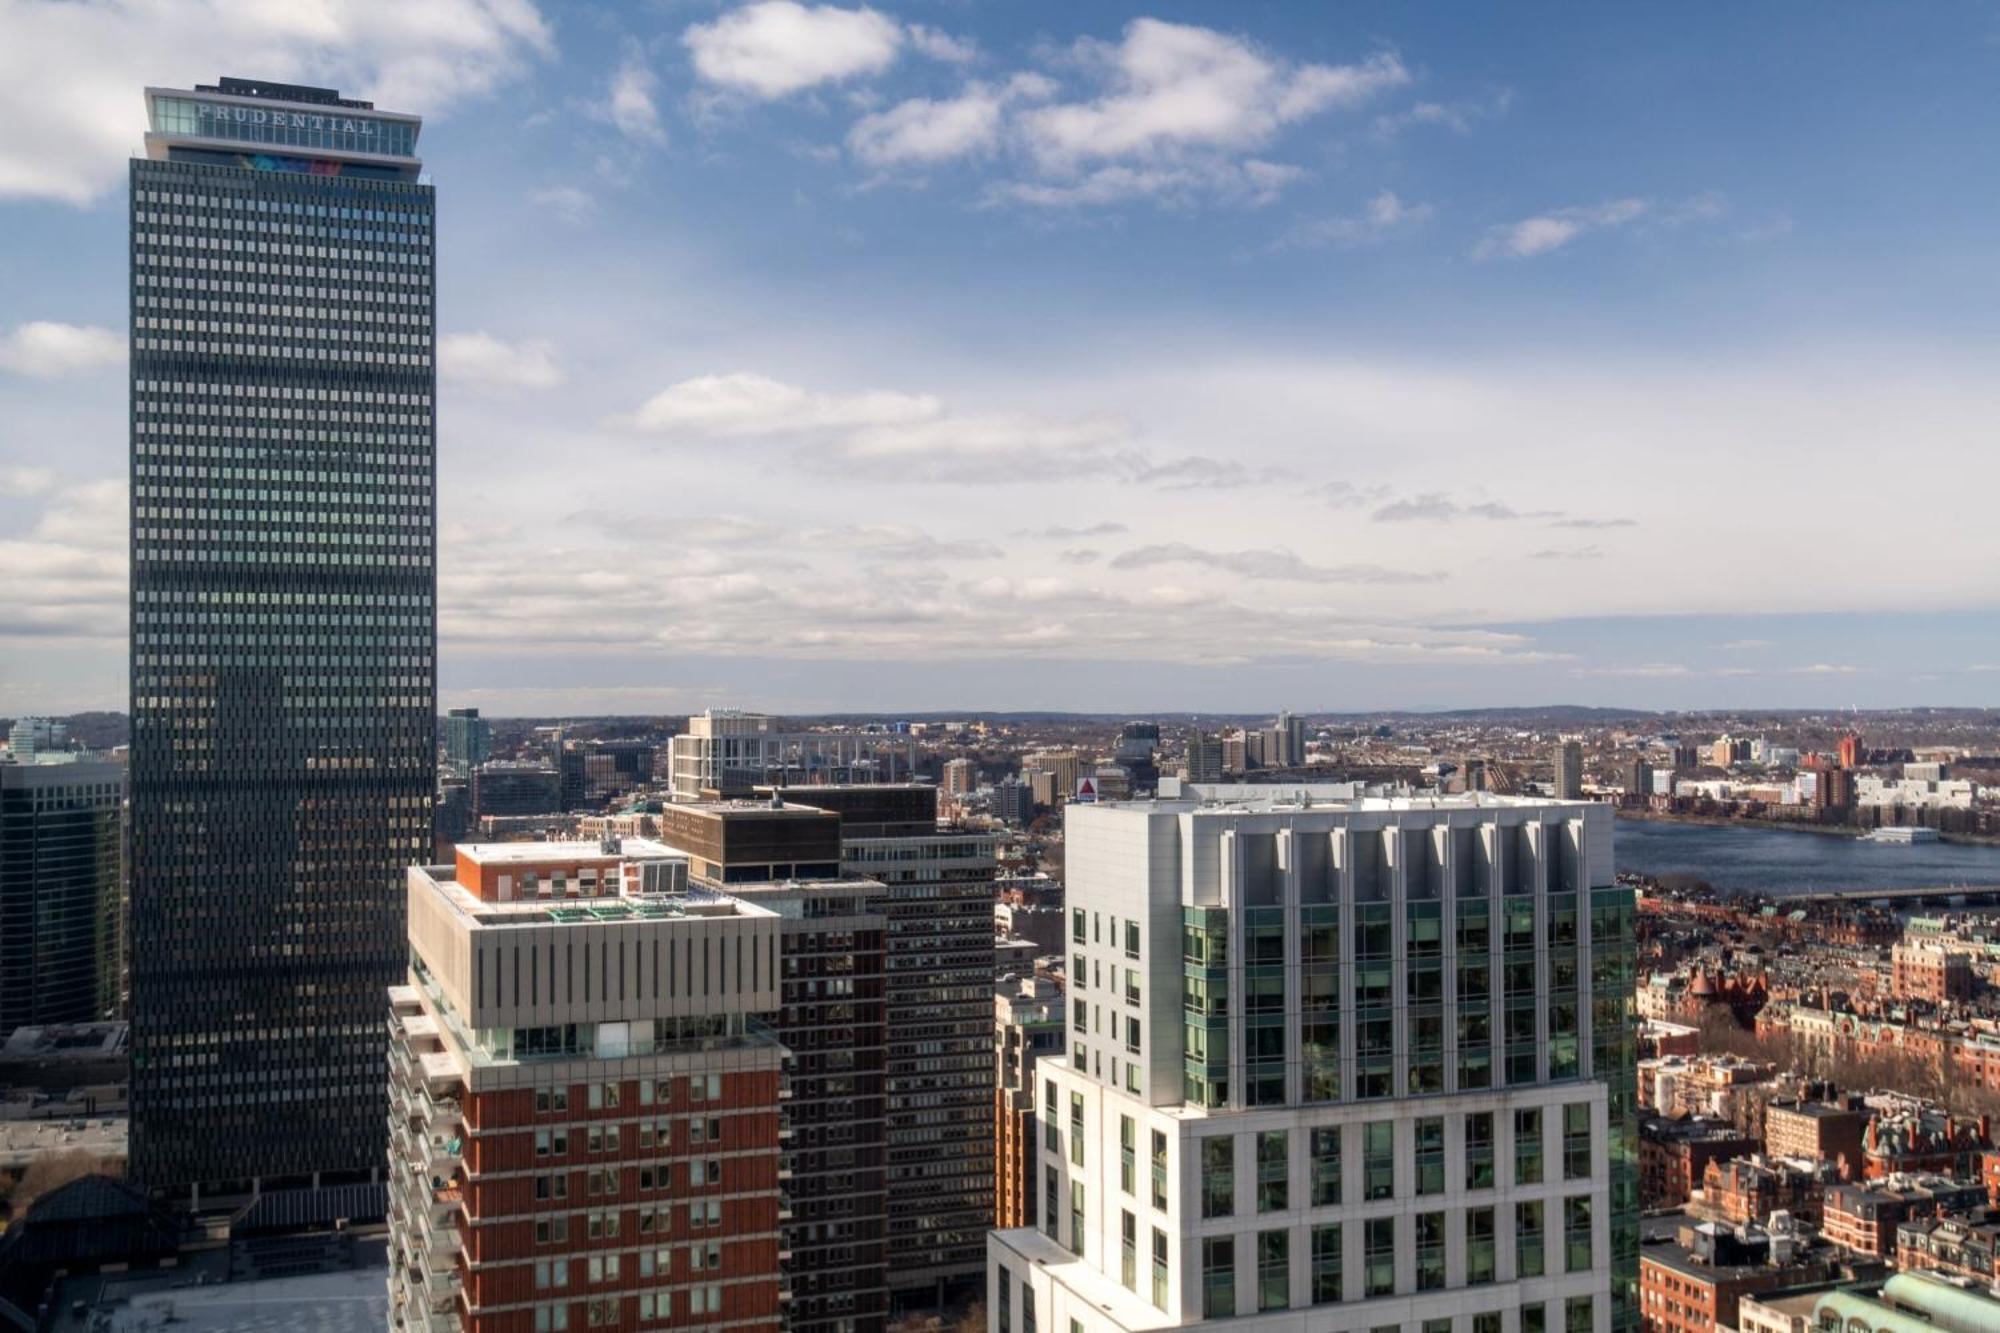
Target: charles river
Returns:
[[1779, 861]]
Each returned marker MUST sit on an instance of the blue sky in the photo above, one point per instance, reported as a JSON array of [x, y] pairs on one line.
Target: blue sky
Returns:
[[1178, 356]]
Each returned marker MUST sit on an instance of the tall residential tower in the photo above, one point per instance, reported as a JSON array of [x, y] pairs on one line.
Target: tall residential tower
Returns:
[[283, 623], [1336, 1063]]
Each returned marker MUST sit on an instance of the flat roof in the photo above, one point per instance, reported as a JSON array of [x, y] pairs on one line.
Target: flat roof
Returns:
[[518, 853]]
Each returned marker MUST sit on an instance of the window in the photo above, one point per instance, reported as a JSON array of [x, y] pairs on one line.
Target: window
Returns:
[[1378, 1256], [1006, 1284], [1437, 1325], [1218, 1277], [1128, 1250], [1430, 1251], [1076, 931], [1076, 1216], [541, 1143], [1576, 1234], [1128, 1155], [1479, 1150], [1535, 1318], [1218, 1176], [1274, 1270], [1487, 1321], [1076, 1128], [1027, 1308], [1378, 1159], [1579, 1315], [1576, 1141], [1132, 1035], [1274, 1168], [1159, 1170], [1159, 1269], [1430, 1155], [1529, 1258], [1325, 1166], [1528, 1146], [1051, 1203], [1131, 939], [1327, 1262], [1481, 1258], [1051, 1127]]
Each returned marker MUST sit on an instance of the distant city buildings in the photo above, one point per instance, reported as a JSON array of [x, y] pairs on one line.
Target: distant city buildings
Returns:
[[468, 739], [1568, 785], [61, 914], [725, 753]]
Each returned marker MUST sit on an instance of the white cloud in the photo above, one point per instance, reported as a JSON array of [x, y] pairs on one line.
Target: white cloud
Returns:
[[922, 131], [482, 359], [1544, 232], [25, 481], [1265, 563], [1176, 86], [1383, 215], [744, 404], [1254, 182], [66, 577], [773, 48], [44, 349], [1458, 117], [565, 201], [631, 106], [941, 45], [70, 74]]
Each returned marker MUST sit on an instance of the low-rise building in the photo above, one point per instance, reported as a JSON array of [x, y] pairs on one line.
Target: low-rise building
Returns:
[[1818, 1131], [1862, 1217], [1695, 1282], [1675, 1154]]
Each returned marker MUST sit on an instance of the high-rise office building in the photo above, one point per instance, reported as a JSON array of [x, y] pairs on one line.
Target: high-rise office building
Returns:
[[832, 959], [31, 737], [1291, 748], [468, 739], [61, 923], [584, 1097], [937, 895], [1337, 1062], [1204, 757], [1568, 784], [284, 724]]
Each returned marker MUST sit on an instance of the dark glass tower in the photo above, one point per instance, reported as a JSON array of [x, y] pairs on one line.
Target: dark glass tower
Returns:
[[283, 624], [59, 909]]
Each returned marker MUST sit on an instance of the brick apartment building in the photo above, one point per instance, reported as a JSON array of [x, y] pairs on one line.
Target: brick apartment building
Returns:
[[1674, 1156], [584, 1099], [1862, 1217], [1818, 1131]]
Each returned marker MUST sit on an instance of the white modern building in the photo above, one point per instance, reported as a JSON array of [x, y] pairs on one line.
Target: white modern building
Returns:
[[725, 753], [1355, 1063]]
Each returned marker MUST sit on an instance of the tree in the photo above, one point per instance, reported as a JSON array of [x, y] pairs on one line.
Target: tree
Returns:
[[973, 1320], [50, 1172]]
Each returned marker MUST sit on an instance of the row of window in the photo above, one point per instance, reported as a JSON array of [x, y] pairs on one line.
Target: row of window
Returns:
[[1428, 1235]]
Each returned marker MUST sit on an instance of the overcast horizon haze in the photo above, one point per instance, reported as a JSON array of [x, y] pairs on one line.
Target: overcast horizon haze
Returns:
[[1175, 357]]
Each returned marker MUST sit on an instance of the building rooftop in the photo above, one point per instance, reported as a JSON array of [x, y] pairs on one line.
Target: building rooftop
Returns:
[[1339, 797]]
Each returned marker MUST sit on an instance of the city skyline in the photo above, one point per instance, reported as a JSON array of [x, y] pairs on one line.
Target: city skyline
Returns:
[[1166, 357]]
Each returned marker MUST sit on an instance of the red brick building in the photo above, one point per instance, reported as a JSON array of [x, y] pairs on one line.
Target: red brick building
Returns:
[[584, 1101]]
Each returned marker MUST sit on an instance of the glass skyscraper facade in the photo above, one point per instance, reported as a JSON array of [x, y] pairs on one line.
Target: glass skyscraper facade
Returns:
[[59, 909], [283, 605]]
